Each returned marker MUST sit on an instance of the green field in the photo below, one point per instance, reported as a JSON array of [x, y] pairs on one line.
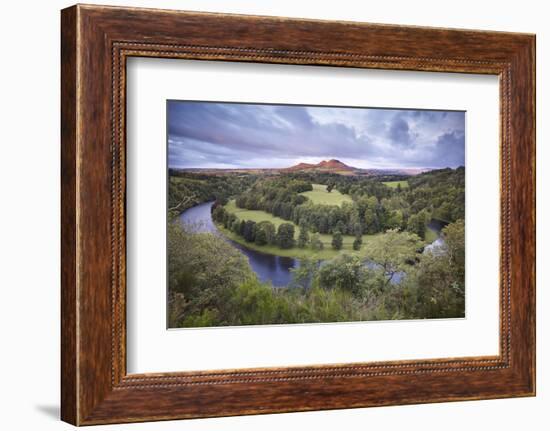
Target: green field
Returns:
[[393, 184], [319, 195], [257, 216], [327, 253]]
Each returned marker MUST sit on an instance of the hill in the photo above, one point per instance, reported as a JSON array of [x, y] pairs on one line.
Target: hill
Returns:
[[331, 165]]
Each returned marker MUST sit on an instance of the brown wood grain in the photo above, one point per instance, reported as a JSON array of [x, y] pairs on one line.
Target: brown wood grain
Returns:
[[96, 41], [69, 367]]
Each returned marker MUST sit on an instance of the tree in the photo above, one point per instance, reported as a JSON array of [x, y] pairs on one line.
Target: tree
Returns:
[[393, 251], [323, 224], [186, 189], [398, 188], [337, 240], [417, 224], [269, 229], [251, 201], [330, 186], [202, 269], [218, 214], [440, 277], [316, 243], [370, 215], [439, 293], [221, 199], [340, 226], [302, 276], [394, 220], [285, 235], [345, 272], [444, 212], [260, 237], [249, 230], [454, 237], [241, 201], [357, 229], [229, 220], [236, 226], [357, 243], [303, 237]]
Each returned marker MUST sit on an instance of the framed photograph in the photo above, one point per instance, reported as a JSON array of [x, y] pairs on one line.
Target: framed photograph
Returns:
[[265, 226], [265, 215]]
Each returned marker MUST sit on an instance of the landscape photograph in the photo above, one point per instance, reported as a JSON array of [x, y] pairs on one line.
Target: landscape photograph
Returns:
[[299, 214]]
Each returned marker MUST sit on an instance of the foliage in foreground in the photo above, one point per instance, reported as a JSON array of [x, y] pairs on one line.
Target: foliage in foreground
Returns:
[[212, 284]]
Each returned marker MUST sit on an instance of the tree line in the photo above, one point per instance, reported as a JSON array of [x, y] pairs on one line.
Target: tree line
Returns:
[[265, 232], [187, 189], [262, 233], [375, 207]]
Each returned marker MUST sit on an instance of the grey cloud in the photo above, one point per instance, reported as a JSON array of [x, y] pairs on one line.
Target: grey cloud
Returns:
[[449, 149], [203, 134], [400, 134]]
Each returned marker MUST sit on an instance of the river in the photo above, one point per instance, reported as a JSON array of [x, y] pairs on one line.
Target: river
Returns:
[[268, 267], [437, 246]]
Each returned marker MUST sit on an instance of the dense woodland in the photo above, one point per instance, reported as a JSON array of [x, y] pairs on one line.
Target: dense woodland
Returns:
[[186, 190], [375, 207], [212, 284]]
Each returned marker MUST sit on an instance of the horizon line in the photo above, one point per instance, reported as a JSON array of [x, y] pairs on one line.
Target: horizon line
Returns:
[[282, 168]]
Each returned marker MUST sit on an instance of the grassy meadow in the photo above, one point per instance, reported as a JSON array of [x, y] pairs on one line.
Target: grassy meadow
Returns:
[[300, 253], [393, 184], [258, 216], [320, 196]]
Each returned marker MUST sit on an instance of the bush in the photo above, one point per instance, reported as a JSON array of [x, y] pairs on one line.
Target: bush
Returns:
[[303, 237], [202, 270], [344, 272], [249, 231], [337, 240], [316, 243], [285, 235], [260, 238], [269, 229]]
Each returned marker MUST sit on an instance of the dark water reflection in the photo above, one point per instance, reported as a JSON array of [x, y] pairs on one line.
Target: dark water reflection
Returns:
[[268, 267], [436, 225]]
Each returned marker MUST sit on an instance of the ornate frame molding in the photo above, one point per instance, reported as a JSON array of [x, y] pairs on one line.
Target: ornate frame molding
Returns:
[[96, 41]]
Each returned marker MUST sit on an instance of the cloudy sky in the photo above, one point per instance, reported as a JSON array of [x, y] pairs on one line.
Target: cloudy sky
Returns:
[[235, 135]]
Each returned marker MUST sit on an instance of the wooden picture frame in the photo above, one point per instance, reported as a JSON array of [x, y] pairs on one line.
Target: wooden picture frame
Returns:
[[95, 43]]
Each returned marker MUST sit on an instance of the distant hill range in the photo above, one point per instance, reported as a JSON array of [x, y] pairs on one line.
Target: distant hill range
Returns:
[[333, 166], [338, 167]]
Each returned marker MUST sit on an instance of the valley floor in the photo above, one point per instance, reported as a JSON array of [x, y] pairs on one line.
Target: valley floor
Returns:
[[327, 253], [258, 216]]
